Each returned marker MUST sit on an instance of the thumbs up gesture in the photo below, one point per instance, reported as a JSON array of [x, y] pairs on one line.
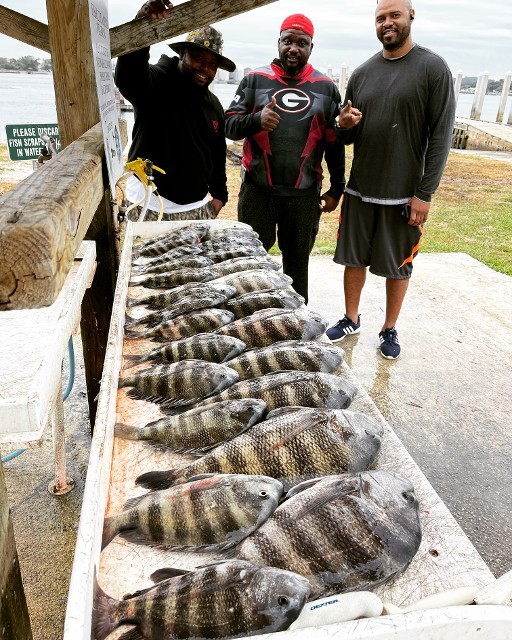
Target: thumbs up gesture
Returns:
[[269, 118], [349, 116]]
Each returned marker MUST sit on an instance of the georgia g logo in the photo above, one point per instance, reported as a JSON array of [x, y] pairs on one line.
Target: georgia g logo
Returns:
[[292, 100]]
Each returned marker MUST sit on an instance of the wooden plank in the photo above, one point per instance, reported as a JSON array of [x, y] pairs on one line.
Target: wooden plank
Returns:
[[14, 620], [24, 29], [44, 219], [182, 18]]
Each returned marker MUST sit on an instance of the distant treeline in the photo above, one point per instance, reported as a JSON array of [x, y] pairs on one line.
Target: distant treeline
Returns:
[[493, 86], [25, 63]]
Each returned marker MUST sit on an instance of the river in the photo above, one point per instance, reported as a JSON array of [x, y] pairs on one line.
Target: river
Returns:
[[30, 99]]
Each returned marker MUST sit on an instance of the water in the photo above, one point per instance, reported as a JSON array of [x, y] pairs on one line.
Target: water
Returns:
[[30, 98]]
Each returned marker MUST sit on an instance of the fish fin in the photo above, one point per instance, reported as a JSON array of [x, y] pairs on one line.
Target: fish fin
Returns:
[[157, 480], [160, 400], [310, 421], [133, 502], [167, 572], [202, 476], [128, 333], [103, 613], [302, 486], [126, 431], [159, 339], [133, 360], [177, 402], [132, 634], [313, 505], [279, 411], [132, 302], [110, 531]]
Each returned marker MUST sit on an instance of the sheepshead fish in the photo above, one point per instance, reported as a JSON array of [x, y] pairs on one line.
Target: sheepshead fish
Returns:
[[255, 279], [213, 513], [172, 254], [235, 251], [266, 326], [202, 346], [179, 384], [235, 265], [298, 355], [287, 388], [248, 303], [198, 300], [231, 232], [185, 325], [349, 532], [170, 279], [183, 262], [198, 430], [292, 446], [225, 600], [172, 296], [191, 234]]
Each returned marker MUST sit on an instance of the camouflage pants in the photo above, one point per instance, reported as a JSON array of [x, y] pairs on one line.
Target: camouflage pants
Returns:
[[205, 212]]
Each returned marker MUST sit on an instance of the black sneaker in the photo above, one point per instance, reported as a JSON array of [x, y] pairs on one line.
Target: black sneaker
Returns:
[[389, 345], [345, 327]]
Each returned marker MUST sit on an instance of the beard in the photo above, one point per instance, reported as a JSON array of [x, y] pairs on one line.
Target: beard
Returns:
[[396, 41]]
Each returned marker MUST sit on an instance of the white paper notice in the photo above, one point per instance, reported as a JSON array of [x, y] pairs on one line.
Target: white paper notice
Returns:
[[98, 16]]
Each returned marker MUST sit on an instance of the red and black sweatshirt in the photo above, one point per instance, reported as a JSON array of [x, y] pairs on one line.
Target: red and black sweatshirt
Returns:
[[288, 160]]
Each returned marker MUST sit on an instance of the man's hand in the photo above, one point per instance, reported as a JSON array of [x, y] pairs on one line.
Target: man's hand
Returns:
[[269, 118], [419, 212], [217, 205], [329, 203], [349, 116], [154, 9]]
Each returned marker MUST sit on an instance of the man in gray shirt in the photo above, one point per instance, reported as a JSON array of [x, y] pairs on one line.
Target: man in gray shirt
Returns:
[[401, 142]]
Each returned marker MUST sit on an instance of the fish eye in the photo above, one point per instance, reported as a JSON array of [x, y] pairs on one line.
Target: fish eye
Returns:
[[408, 496], [263, 494], [282, 601]]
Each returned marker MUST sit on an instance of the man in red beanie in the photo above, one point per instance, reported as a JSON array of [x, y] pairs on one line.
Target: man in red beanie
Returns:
[[286, 112]]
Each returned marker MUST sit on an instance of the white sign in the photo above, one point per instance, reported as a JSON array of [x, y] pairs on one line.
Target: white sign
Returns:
[[98, 17]]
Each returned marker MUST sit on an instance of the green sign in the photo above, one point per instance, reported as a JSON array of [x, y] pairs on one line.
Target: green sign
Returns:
[[25, 141]]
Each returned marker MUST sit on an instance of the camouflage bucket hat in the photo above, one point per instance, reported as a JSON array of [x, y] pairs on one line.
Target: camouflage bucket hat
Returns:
[[206, 38]]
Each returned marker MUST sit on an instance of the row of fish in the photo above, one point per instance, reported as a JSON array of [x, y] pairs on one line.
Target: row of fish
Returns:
[[280, 483]]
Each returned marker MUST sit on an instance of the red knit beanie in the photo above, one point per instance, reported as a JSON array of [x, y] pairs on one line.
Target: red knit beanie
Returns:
[[299, 22]]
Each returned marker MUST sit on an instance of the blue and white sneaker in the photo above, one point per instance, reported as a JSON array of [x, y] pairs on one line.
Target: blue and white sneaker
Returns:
[[389, 345], [345, 327]]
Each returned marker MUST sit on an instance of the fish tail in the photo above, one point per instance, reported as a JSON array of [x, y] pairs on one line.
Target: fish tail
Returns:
[[129, 333], [109, 531], [126, 431], [103, 614], [132, 302], [134, 360], [157, 480]]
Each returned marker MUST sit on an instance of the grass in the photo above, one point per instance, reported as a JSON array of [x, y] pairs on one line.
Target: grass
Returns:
[[471, 211]]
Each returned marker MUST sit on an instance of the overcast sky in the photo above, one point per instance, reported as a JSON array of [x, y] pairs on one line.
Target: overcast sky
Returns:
[[471, 36]]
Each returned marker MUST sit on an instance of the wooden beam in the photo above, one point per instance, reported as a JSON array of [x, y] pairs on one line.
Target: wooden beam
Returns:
[[44, 219], [24, 29], [137, 34], [14, 620]]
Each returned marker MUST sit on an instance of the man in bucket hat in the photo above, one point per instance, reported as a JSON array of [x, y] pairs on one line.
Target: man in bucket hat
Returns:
[[179, 123], [286, 112]]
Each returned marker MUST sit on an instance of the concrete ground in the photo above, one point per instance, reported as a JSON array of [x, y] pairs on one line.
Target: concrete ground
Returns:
[[447, 398]]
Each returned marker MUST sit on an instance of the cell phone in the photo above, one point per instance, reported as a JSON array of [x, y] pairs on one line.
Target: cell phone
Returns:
[[406, 212]]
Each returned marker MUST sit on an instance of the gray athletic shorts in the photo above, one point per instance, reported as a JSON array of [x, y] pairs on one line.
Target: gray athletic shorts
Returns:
[[205, 212], [376, 236]]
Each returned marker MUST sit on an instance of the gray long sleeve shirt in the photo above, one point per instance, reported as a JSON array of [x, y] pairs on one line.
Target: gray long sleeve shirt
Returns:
[[402, 142]]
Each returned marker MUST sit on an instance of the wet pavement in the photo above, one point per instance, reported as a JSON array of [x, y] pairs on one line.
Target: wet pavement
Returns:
[[447, 398]]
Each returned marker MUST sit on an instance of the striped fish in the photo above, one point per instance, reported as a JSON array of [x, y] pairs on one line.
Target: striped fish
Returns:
[[255, 280], [248, 303], [213, 513], [172, 296], [221, 244], [169, 279], [179, 384], [299, 355], [292, 446], [185, 325], [234, 251], [198, 430], [348, 532], [246, 263], [172, 254], [184, 262], [201, 346], [224, 600], [266, 326], [191, 234], [231, 233]]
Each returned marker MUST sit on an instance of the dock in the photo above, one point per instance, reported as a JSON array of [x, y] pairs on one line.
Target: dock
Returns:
[[481, 135]]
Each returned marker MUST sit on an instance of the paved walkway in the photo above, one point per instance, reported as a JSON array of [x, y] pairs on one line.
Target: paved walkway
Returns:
[[448, 396]]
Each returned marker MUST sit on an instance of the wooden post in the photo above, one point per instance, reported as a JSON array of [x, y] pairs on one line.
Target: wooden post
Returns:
[[480, 91], [457, 85], [14, 620], [504, 96], [77, 111]]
